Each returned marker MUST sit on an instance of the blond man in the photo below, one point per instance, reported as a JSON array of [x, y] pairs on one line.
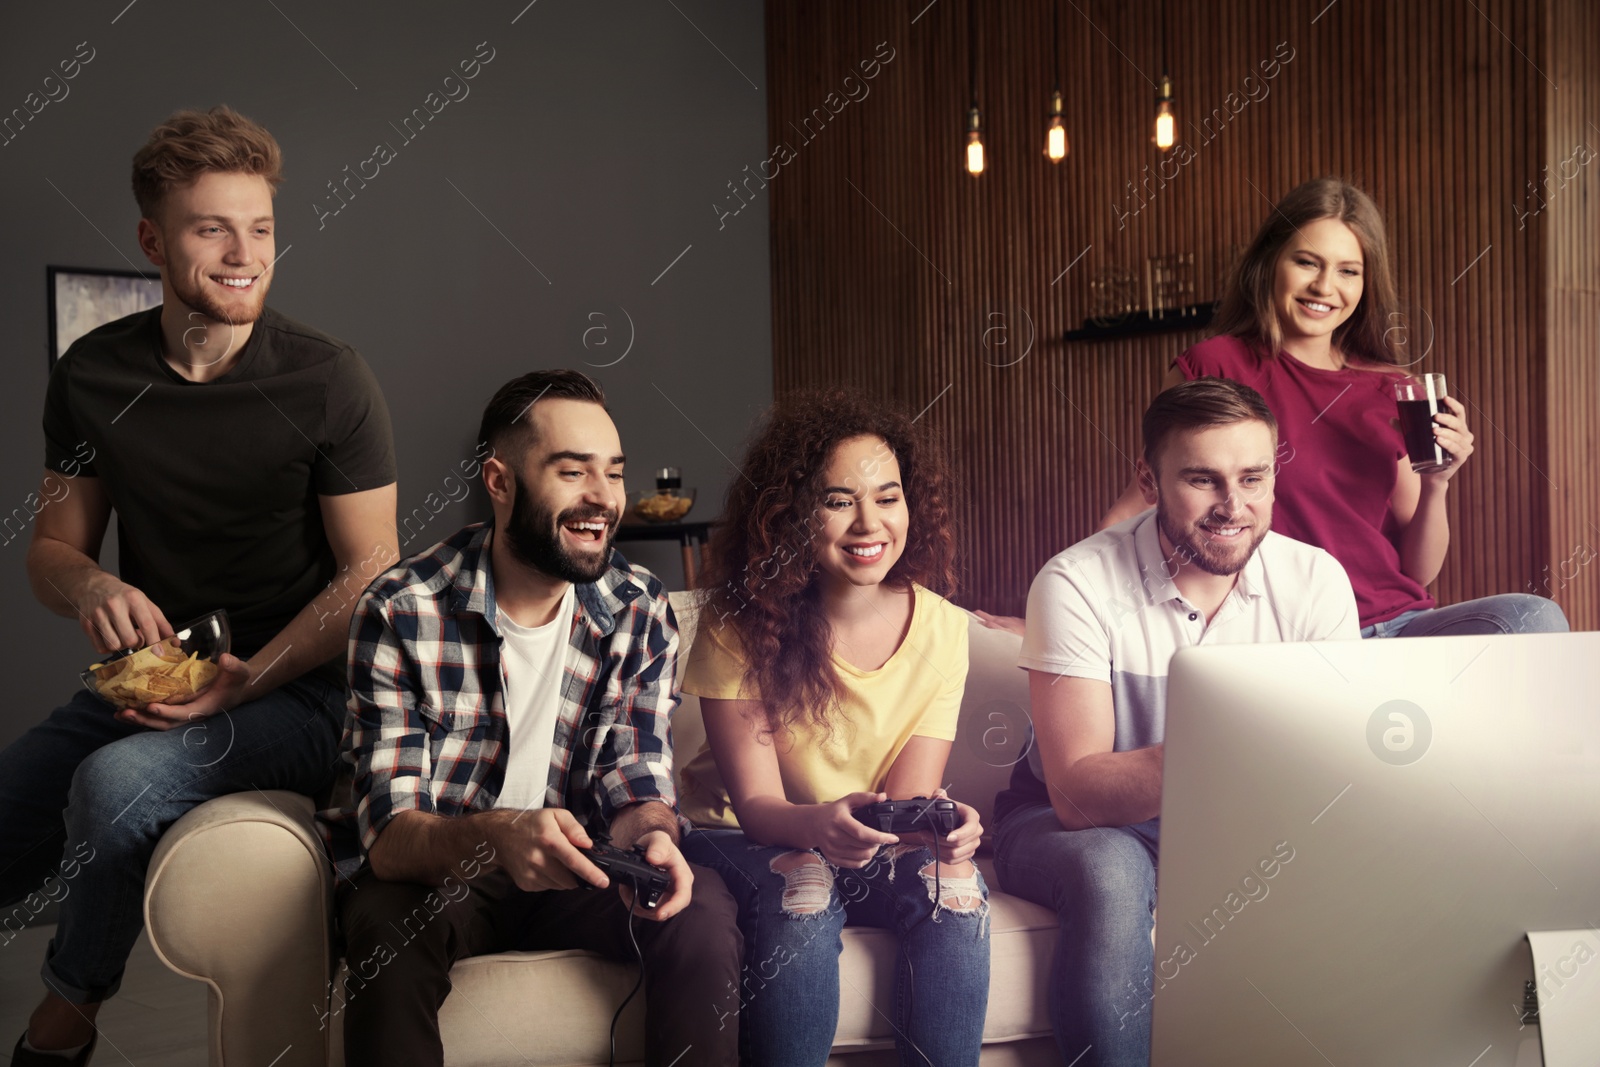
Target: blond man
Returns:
[[250, 465]]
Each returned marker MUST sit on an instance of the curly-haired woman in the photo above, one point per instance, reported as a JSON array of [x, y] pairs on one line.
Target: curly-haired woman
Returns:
[[830, 670]]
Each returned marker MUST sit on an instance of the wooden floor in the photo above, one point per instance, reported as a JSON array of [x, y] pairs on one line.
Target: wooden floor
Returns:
[[157, 1019]]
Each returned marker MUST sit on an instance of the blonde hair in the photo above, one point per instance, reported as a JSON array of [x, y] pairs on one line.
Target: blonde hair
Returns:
[[191, 143]]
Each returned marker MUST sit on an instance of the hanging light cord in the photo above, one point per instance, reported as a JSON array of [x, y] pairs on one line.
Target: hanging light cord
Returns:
[[972, 51], [1166, 52], [1055, 39]]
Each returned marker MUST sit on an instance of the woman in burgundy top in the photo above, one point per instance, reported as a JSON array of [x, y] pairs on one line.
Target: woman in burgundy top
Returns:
[[1305, 322]]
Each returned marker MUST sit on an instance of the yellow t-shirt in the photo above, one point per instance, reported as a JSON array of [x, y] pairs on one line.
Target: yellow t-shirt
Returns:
[[917, 693]]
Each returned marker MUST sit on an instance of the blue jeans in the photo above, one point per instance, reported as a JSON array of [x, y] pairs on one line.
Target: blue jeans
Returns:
[[789, 1006], [1101, 883], [87, 797], [1507, 613]]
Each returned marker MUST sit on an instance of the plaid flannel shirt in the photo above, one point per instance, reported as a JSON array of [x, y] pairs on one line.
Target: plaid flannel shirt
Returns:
[[426, 727]]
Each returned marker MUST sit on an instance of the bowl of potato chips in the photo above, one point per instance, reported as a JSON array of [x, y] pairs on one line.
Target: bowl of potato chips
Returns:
[[174, 668], [663, 505]]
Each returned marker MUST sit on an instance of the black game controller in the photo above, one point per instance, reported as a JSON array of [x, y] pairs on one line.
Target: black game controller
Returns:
[[628, 867], [907, 816]]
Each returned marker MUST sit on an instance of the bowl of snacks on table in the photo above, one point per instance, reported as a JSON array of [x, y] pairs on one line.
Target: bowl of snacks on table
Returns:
[[174, 668], [662, 505]]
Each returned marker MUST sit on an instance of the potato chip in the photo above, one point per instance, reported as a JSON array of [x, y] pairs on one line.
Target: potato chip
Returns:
[[157, 674]]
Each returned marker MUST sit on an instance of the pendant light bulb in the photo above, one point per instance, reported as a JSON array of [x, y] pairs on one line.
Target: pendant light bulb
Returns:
[[1165, 126], [1055, 142], [974, 143]]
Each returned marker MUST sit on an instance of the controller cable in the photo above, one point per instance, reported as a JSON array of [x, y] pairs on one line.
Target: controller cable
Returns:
[[638, 952]]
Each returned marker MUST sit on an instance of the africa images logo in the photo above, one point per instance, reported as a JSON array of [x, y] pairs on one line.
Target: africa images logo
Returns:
[[1399, 732]]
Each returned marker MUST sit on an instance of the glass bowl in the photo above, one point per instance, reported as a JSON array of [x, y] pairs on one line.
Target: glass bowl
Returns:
[[173, 668], [662, 505]]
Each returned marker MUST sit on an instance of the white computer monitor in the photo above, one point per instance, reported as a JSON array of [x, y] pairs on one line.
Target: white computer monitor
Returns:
[[1356, 837]]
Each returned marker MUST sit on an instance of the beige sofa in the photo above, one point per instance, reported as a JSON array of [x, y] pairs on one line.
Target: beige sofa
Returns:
[[239, 896]]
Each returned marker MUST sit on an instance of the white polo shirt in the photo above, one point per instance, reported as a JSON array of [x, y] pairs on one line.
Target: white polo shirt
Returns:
[[1108, 609]]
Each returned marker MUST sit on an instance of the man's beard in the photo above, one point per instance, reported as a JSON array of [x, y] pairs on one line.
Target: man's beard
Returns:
[[1209, 553], [214, 309], [533, 534]]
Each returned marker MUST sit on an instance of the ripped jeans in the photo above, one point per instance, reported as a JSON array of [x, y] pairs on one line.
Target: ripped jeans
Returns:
[[792, 907]]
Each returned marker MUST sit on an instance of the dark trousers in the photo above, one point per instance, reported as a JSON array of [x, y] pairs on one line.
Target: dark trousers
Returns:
[[400, 966]]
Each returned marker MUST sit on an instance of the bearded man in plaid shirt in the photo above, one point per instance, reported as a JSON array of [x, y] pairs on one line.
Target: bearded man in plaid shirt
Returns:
[[511, 693]]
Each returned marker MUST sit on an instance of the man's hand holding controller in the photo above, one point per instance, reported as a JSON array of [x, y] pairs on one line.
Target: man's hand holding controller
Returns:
[[548, 849]]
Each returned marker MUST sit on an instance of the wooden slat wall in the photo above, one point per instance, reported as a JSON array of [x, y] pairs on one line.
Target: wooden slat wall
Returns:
[[890, 263], [1573, 315]]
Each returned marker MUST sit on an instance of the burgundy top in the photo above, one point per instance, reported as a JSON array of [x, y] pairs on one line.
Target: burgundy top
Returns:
[[1338, 458]]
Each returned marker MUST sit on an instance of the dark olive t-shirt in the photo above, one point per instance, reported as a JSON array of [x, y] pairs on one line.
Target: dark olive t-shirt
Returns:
[[215, 484]]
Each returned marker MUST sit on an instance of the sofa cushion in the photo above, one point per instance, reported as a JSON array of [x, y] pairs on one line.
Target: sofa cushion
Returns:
[[993, 732], [688, 731]]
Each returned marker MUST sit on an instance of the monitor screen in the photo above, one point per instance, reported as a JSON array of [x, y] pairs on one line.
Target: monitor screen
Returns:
[[1356, 838]]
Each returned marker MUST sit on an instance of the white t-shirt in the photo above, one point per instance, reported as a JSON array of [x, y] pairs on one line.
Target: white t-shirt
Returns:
[[534, 658]]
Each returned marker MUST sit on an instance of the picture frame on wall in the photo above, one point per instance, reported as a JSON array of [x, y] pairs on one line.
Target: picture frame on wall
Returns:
[[83, 298]]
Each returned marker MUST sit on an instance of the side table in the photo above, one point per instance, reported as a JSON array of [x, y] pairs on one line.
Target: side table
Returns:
[[687, 534]]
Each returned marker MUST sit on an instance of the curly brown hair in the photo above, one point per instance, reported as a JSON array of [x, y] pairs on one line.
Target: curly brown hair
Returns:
[[191, 143], [762, 574], [1247, 310]]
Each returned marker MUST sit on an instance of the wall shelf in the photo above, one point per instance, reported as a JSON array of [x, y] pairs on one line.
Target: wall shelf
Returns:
[[1193, 317]]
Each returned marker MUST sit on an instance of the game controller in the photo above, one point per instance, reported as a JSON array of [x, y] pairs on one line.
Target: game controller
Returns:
[[629, 867], [907, 816]]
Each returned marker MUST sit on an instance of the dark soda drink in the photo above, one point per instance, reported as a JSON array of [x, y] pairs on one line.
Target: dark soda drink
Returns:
[[1416, 422], [1419, 402]]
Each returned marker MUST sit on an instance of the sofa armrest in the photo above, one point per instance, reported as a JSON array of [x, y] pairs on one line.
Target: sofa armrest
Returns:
[[239, 895]]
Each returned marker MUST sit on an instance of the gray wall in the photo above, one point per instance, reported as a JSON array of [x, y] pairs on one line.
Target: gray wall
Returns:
[[595, 141]]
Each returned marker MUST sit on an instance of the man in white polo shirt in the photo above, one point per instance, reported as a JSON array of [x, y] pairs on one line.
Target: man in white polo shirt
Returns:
[[1079, 828]]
